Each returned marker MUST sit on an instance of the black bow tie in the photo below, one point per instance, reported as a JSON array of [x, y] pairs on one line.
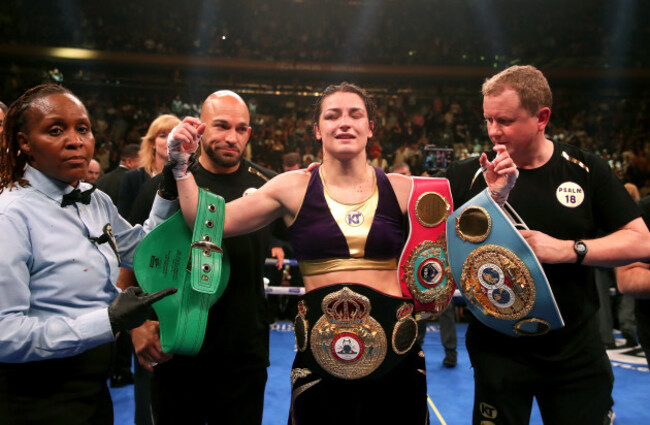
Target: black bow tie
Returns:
[[77, 196]]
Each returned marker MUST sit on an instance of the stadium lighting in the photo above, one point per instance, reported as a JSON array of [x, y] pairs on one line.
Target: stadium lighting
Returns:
[[72, 53]]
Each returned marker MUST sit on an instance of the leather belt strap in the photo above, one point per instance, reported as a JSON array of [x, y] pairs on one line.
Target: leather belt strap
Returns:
[[206, 253], [423, 270], [499, 274], [193, 263]]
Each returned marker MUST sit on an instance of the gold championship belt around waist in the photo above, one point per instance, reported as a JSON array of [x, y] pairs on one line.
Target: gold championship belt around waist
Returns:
[[352, 331], [502, 280]]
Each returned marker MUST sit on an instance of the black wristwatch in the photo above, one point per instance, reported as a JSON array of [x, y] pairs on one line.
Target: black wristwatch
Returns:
[[581, 250]]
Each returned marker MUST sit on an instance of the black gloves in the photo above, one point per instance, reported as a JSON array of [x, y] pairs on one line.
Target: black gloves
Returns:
[[132, 307], [167, 186]]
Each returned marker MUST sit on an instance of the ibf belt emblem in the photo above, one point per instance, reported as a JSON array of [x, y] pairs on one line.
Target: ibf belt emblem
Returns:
[[427, 272], [346, 341], [354, 218], [496, 281]]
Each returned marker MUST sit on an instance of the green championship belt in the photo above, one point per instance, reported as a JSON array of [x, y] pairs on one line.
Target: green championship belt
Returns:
[[193, 263]]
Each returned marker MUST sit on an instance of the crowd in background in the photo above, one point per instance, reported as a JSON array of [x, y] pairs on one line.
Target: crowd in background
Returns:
[[614, 127], [611, 122], [606, 116], [386, 31]]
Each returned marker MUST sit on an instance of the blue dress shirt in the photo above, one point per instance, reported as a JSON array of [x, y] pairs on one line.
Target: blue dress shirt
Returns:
[[56, 282]]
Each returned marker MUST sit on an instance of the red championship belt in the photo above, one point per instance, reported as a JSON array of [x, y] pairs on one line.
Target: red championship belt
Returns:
[[424, 273]]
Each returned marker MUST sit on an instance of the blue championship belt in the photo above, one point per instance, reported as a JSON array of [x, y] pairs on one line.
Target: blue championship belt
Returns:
[[497, 271], [193, 263], [423, 270]]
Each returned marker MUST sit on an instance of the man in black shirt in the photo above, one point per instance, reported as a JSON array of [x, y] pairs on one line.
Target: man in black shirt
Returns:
[[224, 383], [566, 196], [110, 182]]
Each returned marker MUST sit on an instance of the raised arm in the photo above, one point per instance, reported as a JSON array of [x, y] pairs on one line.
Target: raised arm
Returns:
[[242, 215], [182, 142]]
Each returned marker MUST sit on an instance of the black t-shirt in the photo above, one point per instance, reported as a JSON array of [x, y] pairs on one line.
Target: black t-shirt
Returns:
[[141, 206], [237, 334], [130, 185], [575, 195]]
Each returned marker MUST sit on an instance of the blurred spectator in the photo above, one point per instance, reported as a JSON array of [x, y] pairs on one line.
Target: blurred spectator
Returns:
[[401, 168], [308, 157], [111, 181], [291, 161], [153, 155], [379, 161], [402, 154], [3, 111], [93, 172]]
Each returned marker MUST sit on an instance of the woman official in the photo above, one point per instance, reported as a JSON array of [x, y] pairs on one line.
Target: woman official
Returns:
[[62, 243]]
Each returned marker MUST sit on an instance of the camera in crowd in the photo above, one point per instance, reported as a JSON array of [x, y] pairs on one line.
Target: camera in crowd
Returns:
[[436, 160]]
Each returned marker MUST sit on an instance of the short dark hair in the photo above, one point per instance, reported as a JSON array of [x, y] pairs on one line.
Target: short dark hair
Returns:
[[130, 150], [12, 160], [345, 87], [291, 159]]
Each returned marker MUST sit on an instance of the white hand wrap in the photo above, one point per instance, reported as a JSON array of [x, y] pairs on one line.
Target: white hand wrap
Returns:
[[176, 154], [500, 191]]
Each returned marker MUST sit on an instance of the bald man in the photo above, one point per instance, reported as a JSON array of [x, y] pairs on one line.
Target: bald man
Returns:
[[94, 170], [225, 382]]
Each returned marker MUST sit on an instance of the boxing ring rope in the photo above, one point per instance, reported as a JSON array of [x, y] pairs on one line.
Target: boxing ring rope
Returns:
[[282, 290], [286, 262]]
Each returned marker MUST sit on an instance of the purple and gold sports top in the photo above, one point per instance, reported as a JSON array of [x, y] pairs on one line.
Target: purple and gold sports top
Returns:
[[328, 235]]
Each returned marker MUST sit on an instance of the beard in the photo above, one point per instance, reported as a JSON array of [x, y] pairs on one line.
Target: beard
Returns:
[[219, 159]]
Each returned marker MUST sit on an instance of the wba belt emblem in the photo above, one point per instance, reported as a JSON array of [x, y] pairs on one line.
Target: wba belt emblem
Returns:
[[346, 341]]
